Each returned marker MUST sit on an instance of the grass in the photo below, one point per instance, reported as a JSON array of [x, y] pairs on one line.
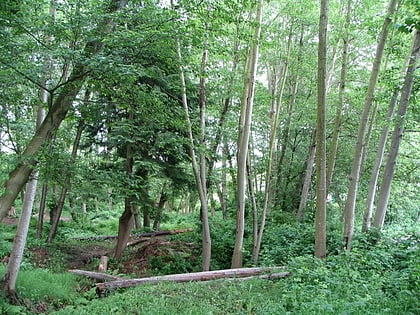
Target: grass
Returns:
[[380, 276], [315, 288]]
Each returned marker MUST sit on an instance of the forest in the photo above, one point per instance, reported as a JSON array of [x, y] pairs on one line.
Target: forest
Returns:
[[210, 157]]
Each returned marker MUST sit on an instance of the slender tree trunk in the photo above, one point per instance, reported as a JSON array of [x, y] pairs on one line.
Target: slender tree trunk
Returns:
[[203, 170], [243, 139], [136, 215], [397, 134], [223, 189], [349, 210], [197, 169], [67, 183], [279, 155], [341, 91], [370, 199], [8, 283], [308, 179], [56, 114], [321, 185], [126, 220], [251, 193], [41, 213], [160, 207]]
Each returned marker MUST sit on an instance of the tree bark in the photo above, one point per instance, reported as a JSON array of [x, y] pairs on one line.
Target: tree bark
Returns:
[[56, 114], [341, 91], [321, 185], [373, 182], [243, 139], [198, 167], [126, 220], [397, 135], [349, 210], [67, 182], [300, 215], [8, 282], [162, 200]]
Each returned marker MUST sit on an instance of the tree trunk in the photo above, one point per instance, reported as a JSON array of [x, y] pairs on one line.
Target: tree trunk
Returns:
[[349, 210], [397, 134], [160, 207], [321, 185], [8, 283], [41, 213], [341, 91], [300, 215], [198, 168], [136, 215], [56, 114], [274, 126], [373, 182], [67, 182], [243, 139], [125, 223]]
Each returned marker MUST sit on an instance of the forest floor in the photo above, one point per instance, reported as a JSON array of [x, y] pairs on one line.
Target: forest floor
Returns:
[[136, 261]]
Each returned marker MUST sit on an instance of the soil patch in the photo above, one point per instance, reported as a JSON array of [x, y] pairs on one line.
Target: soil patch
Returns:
[[154, 255]]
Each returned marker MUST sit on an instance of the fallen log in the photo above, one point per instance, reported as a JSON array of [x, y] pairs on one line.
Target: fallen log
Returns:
[[95, 275], [264, 273]]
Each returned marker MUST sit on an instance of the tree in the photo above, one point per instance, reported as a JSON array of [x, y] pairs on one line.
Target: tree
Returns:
[[397, 134], [56, 114], [243, 137], [321, 186], [341, 93], [349, 210], [8, 282]]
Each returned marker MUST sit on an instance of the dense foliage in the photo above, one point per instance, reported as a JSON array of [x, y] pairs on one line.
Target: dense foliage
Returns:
[[137, 92]]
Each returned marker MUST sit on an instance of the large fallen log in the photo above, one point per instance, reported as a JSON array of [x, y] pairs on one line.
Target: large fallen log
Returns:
[[265, 273], [95, 275], [148, 234]]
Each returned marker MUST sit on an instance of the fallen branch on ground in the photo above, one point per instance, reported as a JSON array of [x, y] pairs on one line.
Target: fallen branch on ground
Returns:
[[95, 275], [240, 273]]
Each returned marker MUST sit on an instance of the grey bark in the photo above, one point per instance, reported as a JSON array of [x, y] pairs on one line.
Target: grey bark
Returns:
[[397, 135], [321, 185], [341, 91], [243, 139], [373, 182], [349, 210]]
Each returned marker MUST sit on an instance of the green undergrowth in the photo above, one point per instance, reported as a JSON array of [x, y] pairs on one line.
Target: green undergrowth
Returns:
[[41, 290], [380, 276], [380, 280]]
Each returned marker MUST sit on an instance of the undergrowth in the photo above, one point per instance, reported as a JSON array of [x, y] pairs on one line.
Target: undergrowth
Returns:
[[379, 276]]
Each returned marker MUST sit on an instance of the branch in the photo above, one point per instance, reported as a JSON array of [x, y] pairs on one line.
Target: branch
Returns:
[[38, 84]]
